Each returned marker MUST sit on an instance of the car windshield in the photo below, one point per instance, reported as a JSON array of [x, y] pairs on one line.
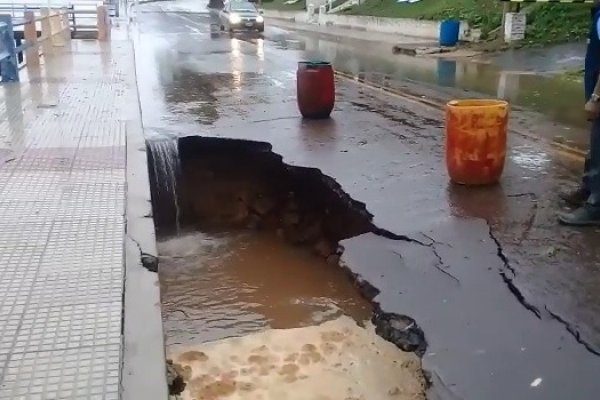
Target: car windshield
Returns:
[[242, 6]]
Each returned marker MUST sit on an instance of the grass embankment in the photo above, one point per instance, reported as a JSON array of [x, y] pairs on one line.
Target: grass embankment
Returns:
[[556, 23], [547, 23], [486, 14]]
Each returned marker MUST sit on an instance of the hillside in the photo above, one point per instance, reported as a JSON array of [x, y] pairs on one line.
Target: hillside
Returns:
[[547, 23]]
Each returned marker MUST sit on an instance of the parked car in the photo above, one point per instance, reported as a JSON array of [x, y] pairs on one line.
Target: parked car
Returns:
[[241, 15]]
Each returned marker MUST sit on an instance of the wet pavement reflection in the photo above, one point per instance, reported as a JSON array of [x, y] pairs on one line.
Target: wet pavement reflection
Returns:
[[388, 153], [243, 86], [554, 96]]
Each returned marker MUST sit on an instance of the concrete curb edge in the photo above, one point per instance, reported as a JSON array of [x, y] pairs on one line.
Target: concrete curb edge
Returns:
[[143, 374]]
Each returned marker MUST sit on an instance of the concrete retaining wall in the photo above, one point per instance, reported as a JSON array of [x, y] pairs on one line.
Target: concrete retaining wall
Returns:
[[293, 16], [397, 26]]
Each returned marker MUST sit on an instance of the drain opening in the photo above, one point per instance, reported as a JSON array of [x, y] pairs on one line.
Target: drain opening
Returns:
[[212, 265]]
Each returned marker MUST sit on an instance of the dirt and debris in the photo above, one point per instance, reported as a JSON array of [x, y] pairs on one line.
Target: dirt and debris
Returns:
[[230, 184], [176, 377], [317, 362]]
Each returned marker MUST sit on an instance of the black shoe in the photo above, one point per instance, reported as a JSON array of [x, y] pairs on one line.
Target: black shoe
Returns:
[[575, 197], [583, 216]]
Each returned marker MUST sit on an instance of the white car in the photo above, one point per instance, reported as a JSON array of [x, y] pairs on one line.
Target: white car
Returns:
[[241, 15]]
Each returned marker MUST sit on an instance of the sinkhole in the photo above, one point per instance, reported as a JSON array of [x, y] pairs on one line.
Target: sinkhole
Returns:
[[255, 302]]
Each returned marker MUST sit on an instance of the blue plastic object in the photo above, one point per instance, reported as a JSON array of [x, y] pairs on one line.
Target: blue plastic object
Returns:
[[9, 64], [449, 32]]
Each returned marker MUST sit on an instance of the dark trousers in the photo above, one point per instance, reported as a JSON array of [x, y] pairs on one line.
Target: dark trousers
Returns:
[[591, 172]]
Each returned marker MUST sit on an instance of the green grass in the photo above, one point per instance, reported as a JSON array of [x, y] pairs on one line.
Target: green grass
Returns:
[[484, 14], [547, 23], [556, 23]]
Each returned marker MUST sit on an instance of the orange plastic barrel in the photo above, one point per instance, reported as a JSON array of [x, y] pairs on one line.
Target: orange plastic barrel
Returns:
[[476, 140], [315, 87]]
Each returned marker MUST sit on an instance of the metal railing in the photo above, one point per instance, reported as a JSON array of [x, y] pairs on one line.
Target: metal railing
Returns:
[[44, 29], [82, 13]]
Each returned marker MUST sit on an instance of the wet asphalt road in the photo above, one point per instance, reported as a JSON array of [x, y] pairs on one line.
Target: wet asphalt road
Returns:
[[505, 295]]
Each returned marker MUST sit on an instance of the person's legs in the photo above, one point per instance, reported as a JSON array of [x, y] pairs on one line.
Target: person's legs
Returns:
[[589, 213], [576, 197]]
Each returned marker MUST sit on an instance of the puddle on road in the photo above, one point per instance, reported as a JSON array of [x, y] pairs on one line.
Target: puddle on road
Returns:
[[216, 286], [335, 360], [553, 96]]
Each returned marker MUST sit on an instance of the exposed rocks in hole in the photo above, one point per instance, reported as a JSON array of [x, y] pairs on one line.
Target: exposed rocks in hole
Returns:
[[228, 184], [176, 377], [400, 330], [150, 262]]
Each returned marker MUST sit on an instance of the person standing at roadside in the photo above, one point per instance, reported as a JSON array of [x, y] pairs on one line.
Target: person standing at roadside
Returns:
[[587, 196]]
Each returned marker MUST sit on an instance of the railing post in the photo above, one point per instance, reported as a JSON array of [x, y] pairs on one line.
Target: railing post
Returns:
[[103, 23], [58, 38], [66, 24], [9, 67], [74, 20], [32, 54], [46, 30]]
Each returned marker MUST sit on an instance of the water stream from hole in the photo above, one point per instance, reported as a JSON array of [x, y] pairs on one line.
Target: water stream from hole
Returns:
[[165, 167]]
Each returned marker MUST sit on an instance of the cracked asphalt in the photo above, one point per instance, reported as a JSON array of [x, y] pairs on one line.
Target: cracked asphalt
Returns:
[[504, 295]]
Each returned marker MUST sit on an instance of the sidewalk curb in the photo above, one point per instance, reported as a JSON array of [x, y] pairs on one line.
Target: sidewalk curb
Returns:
[[143, 374], [300, 26]]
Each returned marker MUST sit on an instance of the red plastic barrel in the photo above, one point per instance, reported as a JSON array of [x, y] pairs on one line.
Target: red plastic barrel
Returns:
[[315, 86]]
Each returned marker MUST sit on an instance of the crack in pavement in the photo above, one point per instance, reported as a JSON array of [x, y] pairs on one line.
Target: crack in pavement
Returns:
[[258, 121], [530, 222], [148, 261], [526, 194], [534, 209], [573, 331], [508, 276], [433, 241], [440, 263], [394, 236], [509, 280]]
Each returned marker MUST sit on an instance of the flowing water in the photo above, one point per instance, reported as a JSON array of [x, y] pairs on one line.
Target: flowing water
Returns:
[[165, 170], [216, 286]]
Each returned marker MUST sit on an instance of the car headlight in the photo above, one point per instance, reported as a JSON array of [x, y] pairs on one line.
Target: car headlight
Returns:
[[260, 19], [235, 19]]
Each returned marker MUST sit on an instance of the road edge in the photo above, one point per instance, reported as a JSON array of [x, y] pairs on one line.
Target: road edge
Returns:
[[143, 373]]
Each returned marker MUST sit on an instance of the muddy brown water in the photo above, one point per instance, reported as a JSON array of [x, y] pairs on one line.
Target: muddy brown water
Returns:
[[221, 285]]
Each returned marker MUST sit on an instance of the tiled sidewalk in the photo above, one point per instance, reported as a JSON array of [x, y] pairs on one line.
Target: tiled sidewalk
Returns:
[[62, 205]]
